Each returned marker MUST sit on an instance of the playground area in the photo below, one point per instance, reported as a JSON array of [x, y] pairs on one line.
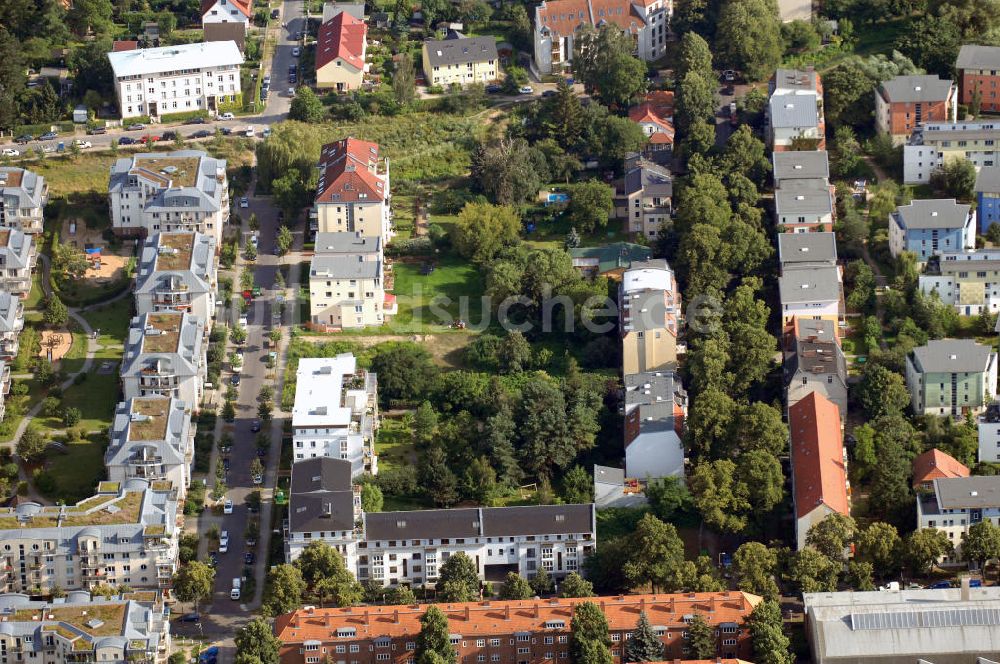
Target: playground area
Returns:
[[56, 342], [105, 267]]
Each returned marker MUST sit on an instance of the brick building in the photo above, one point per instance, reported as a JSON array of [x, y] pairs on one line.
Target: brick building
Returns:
[[508, 632], [978, 68], [904, 103]]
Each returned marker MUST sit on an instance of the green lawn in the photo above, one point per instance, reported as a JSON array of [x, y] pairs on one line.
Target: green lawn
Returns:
[[393, 445], [65, 176], [452, 282], [76, 471], [112, 320]]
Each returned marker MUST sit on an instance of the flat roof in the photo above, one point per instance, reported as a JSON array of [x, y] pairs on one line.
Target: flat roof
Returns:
[[807, 247], [813, 284], [175, 251], [952, 356], [180, 171], [974, 492], [150, 418], [162, 333], [196, 56], [319, 387], [933, 213], [801, 164]]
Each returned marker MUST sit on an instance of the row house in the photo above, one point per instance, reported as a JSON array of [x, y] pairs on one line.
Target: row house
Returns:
[[239, 12], [186, 190], [531, 631], [811, 291], [341, 46], [951, 377], [814, 362], [938, 143], [125, 534], [335, 412], [654, 412], [352, 194], [795, 118], [934, 464], [978, 69], [23, 197], [932, 227], [966, 280], [806, 250], [181, 78], [789, 165], [347, 282], [461, 61], [650, 312], [178, 272], [558, 22], [905, 103], [988, 196], [124, 629], [164, 356], [805, 205], [956, 503], [17, 261], [152, 438], [644, 198], [11, 324]]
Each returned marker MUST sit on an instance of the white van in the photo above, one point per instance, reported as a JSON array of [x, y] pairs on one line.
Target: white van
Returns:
[[251, 132], [235, 592], [224, 541]]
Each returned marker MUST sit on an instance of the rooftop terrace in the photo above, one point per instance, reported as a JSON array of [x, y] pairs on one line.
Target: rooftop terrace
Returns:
[[153, 417], [162, 333], [180, 171], [175, 251], [102, 510]]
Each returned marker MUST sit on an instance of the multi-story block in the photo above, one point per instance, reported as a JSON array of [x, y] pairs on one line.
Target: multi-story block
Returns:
[[815, 292], [335, 412], [967, 280], [227, 11], [341, 45], [460, 60], [557, 23], [951, 377], [17, 260], [805, 206], [11, 324], [650, 304], [352, 194], [644, 197], [905, 103], [178, 79], [819, 463], [957, 503], [4, 386], [795, 111], [932, 227], [938, 143], [527, 631], [134, 627], [978, 69], [800, 165], [347, 282], [152, 438], [177, 272], [125, 534], [179, 191], [164, 356], [806, 250], [988, 197], [935, 464], [989, 434], [655, 407], [815, 362], [327, 506], [23, 196]]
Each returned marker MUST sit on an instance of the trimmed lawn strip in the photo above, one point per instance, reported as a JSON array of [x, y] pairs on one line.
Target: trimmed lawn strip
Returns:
[[78, 470]]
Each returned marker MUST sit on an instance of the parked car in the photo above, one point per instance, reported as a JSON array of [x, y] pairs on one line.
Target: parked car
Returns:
[[267, 80], [939, 585], [80, 143], [262, 452], [48, 136], [244, 202], [292, 78], [225, 464], [257, 480], [10, 152], [248, 557], [125, 140], [227, 507], [149, 138], [26, 138], [291, 91], [525, 90], [226, 131], [224, 541], [201, 133], [138, 126], [227, 116], [94, 131], [296, 52], [266, 133], [729, 75], [235, 380], [190, 617], [255, 426], [196, 121], [298, 36], [168, 136], [493, 88], [549, 93]]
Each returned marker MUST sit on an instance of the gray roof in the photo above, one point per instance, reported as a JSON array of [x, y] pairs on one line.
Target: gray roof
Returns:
[[9, 305], [321, 496], [16, 255], [646, 310], [479, 522], [183, 361], [29, 192], [952, 356], [803, 196], [196, 277], [816, 356], [933, 213], [423, 524], [807, 247], [988, 179], [916, 88], [344, 267], [791, 111], [320, 474], [934, 133], [801, 164], [649, 179], [171, 448], [974, 56], [538, 520], [204, 195], [460, 51], [654, 393], [609, 475], [347, 243], [809, 284], [973, 492]]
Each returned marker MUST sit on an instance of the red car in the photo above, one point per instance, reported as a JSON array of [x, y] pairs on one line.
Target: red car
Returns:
[[150, 137]]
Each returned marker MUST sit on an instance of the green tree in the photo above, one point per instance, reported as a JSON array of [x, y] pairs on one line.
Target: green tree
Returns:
[[813, 572], [749, 37], [256, 639], [721, 499], [654, 549], [770, 645], [436, 478], [603, 61], [574, 585], [755, 566], [405, 371], [515, 587], [400, 595], [284, 240], [701, 638], [590, 205], [956, 178], [563, 116], [371, 497], [833, 535], [644, 645], [284, 590], [458, 579], [982, 543], [482, 231], [879, 544], [56, 314], [326, 576], [578, 486], [695, 101], [508, 171], [290, 194], [667, 496], [194, 582], [513, 353], [882, 392], [761, 473], [922, 548], [32, 444], [589, 639], [425, 423], [434, 640], [695, 55], [90, 15], [403, 78], [744, 154], [542, 583]]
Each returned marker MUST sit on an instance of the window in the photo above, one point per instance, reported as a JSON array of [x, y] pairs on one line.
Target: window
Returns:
[[523, 651], [355, 648], [382, 657], [480, 643], [411, 645], [495, 643]]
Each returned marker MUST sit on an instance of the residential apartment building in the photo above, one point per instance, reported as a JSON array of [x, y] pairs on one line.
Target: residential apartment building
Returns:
[[795, 111], [988, 197], [805, 206], [650, 311], [658, 130], [608, 260], [23, 197], [180, 191], [557, 23], [530, 631], [989, 433], [644, 197], [125, 534], [885, 627], [955, 504], [11, 324], [815, 292], [806, 250], [335, 412], [819, 463], [327, 506], [347, 282], [165, 356], [967, 280], [352, 194], [951, 377], [177, 272], [134, 627], [935, 464], [178, 79], [789, 165], [152, 438], [17, 260], [814, 362], [978, 69], [227, 11], [932, 227], [4, 386], [938, 143], [341, 46], [905, 103], [460, 60], [613, 489], [654, 410]]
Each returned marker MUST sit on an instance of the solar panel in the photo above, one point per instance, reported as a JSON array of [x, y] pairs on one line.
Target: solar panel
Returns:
[[926, 619]]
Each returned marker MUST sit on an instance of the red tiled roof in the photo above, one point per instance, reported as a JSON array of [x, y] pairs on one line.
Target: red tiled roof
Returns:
[[242, 5], [933, 464], [343, 36], [662, 102], [504, 617], [348, 173], [644, 114], [563, 17], [124, 45], [817, 455]]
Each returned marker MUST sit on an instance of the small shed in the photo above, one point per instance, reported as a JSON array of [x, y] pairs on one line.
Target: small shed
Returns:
[[80, 114]]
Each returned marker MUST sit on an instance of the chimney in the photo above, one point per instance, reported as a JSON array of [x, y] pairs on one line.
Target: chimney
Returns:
[[468, 613], [538, 612], [711, 604], [966, 591], [395, 616], [506, 611]]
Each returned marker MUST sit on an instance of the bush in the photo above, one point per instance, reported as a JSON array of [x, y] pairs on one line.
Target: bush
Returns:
[[413, 247], [71, 417], [398, 481], [51, 406]]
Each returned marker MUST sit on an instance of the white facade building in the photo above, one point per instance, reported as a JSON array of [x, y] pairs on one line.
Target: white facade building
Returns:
[[956, 504], [23, 196], [655, 406], [936, 143], [989, 434], [177, 272], [177, 79], [164, 356], [227, 11], [152, 438]]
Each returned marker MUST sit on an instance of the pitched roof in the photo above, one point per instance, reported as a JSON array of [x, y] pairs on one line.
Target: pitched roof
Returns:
[[952, 356], [343, 36], [564, 17], [806, 247], [988, 179], [612, 256], [233, 31], [974, 56], [124, 45], [661, 101], [645, 113], [461, 50], [920, 88], [242, 5], [933, 213], [347, 173], [817, 451], [934, 463], [321, 497], [480, 522]]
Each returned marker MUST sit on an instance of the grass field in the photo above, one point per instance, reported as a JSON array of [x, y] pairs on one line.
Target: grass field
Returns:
[[66, 176], [78, 470], [112, 320], [430, 302]]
